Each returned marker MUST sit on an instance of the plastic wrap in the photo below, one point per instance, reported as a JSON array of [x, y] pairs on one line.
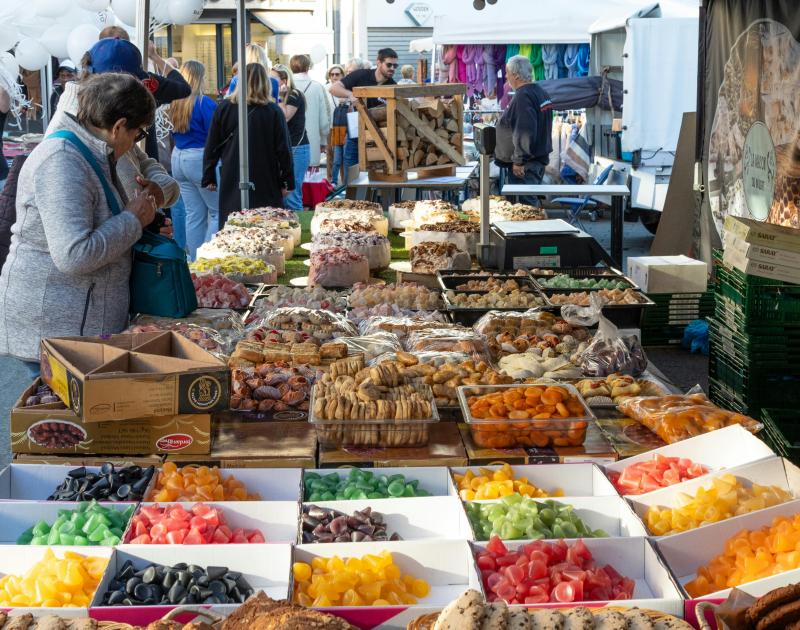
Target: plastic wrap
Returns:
[[612, 353], [313, 325], [372, 346], [337, 267], [207, 338], [447, 340], [402, 295], [311, 297], [272, 387], [375, 248], [217, 291], [238, 269], [247, 242], [675, 418], [361, 313], [400, 326]]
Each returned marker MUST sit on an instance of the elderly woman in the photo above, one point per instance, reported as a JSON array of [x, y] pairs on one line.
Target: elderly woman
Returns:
[[69, 267]]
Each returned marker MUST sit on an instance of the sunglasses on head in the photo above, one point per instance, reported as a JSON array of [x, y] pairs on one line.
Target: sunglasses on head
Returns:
[[143, 133], [392, 65]]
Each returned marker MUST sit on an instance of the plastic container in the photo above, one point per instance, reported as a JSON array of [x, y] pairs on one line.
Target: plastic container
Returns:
[[468, 316], [581, 273], [621, 315], [451, 282], [782, 432], [531, 432], [375, 432]]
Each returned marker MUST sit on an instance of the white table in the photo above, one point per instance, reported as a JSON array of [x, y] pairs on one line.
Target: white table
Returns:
[[617, 192]]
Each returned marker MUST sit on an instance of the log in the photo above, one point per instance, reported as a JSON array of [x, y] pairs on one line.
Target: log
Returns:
[[442, 133], [401, 134], [451, 125], [402, 153], [431, 106], [443, 159], [431, 159], [419, 156], [378, 113]]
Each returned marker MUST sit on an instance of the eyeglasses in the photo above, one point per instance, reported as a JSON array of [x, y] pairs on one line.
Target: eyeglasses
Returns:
[[336, 74], [143, 133], [392, 65]]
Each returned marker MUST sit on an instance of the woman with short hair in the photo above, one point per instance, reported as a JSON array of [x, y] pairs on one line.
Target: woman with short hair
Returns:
[[68, 270], [270, 157]]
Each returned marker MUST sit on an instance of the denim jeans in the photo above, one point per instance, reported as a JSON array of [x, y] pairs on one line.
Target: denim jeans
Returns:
[[301, 157], [534, 172], [338, 158], [202, 205], [350, 155], [178, 215]]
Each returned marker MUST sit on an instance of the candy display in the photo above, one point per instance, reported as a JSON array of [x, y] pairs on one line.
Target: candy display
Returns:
[[218, 291], [273, 349], [492, 283], [674, 418], [463, 234], [271, 387], [433, 211], [363, 313], [359, 484], [238, 269], [750, 555], [300, 325], [536, 415], [454, 227], [403, 326], [337, 267], [495, 299], [516, 212], [250, 243], [279, 218], [454, 339], [201, 524], [607, 354], [349, 220], [615, 388], [311, 297], [402, 295], [43, 396], [371, 346], [496, 484], [605, 296], [325, 525], [400, 214], [726, 497], [178, 585], [88, 524], [335, 205], [107, 484], [549, 572], [206, 338], [372, 580], [515, 517], [429, 257], [374, 247], [384, 405], [197, 483], [66, 580], [564, 281], [660, 472]]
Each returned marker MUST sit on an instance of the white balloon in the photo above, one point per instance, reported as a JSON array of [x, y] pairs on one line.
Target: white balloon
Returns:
[[8, 37], [54, 39], [9, 62], [160, 11], [31, 55], [77, 16], [29, 23], [185, 11], [125, 10], [51, 8], [318, 53], [93, 5], [81, 39]]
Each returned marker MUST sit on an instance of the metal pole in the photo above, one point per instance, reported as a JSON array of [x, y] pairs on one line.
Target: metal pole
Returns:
[[244, 165], [46, 78], [143, 29]]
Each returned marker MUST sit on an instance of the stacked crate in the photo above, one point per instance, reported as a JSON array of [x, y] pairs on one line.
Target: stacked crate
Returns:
[[665, 323]]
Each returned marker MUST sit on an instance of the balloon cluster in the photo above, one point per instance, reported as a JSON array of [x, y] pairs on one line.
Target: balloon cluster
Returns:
[[31, 31]]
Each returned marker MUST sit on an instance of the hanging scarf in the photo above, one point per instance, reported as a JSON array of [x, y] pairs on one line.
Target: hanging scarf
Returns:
[[462, 69], [450, 57], [536, 61], [489, 70], [499, 53], [583, 60], [474, 77], [512, 50], [576, 59], [552, 54]]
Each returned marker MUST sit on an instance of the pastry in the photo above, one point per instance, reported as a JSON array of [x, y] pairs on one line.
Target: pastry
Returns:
[[639, 620], [429, 257], [495, 616], [610, 620], [374, 247], [519, 620], [495, 299], [776, 609], [433, 211], [579, 618], [546, 619], [590, 388], [402, 295], [337, 267], [464, 613]]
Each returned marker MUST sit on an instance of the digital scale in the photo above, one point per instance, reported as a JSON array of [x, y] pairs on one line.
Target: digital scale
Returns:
[[511, 245]]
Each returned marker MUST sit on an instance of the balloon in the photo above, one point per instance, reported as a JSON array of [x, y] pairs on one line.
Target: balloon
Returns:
[[54, 39], [8, 37], [29, 23], [9, 62], [160, 11], [31, 55], [51, 8], [185, 11], [77, 16], [81, 39], [125, 10], [318, 53], [93, 5]]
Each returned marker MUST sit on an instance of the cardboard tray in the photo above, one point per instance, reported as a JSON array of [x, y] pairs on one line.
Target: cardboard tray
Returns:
[[435, 479], [273, 484], [16, 517]]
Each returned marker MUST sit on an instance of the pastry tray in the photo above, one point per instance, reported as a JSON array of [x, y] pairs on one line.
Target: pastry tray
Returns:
[[449, 282], [468, 316], [609, 404]]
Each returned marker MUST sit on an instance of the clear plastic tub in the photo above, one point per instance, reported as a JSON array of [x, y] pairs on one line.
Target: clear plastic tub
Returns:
[[542, 422]]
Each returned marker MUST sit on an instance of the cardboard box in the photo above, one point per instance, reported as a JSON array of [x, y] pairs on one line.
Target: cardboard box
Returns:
[[637, 559], [764, 234], [90, 460], [612, 514], [273, 484], [668, 274], [447, 565], [134, 376], [276, 520], [17, 517], [263, 444], [189, 433], [774, 471], [685, 553], [576, 480], [35, 482], [266, 568], [725, 448], [411, 518], [19, 559], [782, 273], [436, 480], [761, 253], [444, 449]]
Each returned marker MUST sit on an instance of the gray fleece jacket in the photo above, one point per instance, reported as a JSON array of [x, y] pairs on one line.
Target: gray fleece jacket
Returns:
[[68, 269], [134, 162]]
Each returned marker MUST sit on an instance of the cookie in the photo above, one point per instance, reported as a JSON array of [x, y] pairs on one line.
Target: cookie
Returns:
[[465, 613], [495, 616], [638, 620], [610, 620], [772, 600], [780, 617], [673, 623], [579, 618], [546, 619], [518, 620]]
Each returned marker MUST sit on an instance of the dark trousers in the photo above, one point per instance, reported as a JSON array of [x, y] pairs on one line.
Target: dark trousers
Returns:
[[534, 172]]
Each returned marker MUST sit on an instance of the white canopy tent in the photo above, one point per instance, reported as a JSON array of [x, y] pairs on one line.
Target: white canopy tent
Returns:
[[543, 21]]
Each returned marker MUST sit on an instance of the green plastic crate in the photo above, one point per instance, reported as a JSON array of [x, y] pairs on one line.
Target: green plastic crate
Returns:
[[782, 431]]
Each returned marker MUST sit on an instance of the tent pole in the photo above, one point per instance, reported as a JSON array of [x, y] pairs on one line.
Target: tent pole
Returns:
[[143, 29], [244, 165]]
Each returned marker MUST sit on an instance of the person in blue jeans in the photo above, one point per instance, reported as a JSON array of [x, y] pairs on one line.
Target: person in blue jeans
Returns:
[[293, 104], [191, 120]]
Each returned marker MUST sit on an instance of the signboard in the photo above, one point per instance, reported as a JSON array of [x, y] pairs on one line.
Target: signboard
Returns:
[[419, 12], [758, 171]]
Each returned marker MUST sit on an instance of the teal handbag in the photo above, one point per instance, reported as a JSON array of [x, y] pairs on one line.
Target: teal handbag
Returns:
[[161, 283]]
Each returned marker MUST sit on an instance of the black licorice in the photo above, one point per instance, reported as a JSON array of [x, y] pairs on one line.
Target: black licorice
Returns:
[[109, 484]]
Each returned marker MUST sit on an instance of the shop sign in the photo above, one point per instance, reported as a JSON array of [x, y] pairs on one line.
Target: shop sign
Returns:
[[419, 12], [758, 171]]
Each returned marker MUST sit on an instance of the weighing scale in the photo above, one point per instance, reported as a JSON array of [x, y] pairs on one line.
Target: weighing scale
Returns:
[[511, 245]]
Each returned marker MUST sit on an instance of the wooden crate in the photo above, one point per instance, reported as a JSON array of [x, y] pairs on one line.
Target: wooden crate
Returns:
[[419, 130]]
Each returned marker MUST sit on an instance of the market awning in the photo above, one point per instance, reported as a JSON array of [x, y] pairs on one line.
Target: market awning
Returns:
[[421, 45], [664, 8]]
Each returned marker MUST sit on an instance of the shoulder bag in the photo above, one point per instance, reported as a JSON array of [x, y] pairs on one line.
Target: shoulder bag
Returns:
[[161, 283]]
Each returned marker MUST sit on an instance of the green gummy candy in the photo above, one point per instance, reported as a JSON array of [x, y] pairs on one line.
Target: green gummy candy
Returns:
[[110, 541], [66, 528], [53, 537], [81, 541], [41, 529], [99, 534], [396, 488], [67, 539], [39, 540]]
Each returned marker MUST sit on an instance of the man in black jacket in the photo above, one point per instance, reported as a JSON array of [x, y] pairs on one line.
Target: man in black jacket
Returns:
[[524, 132]]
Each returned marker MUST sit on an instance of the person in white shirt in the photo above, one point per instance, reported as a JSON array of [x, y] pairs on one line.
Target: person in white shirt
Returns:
[[407, 72], [318, 109]]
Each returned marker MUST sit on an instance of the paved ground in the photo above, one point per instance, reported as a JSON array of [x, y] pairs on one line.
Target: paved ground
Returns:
[[682, 368]]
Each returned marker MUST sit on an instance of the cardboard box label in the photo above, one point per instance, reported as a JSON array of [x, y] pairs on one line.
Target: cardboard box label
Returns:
[[200, 394]]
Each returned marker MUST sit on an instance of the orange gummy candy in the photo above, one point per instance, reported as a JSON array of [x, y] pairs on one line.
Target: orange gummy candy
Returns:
[[198, 483]]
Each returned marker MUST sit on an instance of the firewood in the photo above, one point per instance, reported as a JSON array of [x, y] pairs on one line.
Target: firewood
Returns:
[[402, 153], [378, 113], [419, 156], [443, 159], [442, 133], [431, 159], [401, 134], [432, 149], [451, 125], [432, 106]]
